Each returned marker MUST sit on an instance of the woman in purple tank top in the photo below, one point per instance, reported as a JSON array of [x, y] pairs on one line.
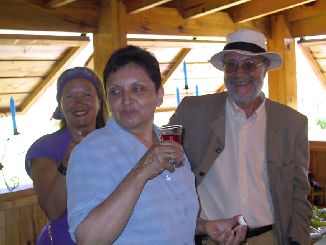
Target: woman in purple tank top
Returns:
[[81, 109]]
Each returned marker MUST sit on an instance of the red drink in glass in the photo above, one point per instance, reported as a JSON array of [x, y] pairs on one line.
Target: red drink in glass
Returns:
[[176, 138], [171, 132]]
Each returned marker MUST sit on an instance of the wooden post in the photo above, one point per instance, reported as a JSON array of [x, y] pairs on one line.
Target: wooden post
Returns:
[[283, 82], [112, 32]]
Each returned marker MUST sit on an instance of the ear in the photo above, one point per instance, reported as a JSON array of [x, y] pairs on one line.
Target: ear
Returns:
[[267, 64], [160, 95], [59, 112]]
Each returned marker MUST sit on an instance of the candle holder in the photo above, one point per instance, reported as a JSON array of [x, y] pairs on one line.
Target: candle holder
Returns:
[[13, 182], [16, 131], [186, 86]]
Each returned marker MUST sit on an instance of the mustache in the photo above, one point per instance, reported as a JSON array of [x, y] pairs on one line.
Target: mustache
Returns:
[[239, 81]]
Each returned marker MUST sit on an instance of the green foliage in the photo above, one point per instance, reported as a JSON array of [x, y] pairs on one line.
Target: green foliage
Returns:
[[322, 123], [319, 217]]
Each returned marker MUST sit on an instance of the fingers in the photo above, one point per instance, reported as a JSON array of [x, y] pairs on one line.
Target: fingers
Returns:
[[173, 153], [221, 231], [236, 236], [240, 233], [175, 159], [168, 153]]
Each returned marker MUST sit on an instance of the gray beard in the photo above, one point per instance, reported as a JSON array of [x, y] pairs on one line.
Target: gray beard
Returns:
[[240, 99]]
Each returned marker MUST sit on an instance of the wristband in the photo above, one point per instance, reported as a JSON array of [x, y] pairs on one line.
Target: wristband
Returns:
[[62, 169]]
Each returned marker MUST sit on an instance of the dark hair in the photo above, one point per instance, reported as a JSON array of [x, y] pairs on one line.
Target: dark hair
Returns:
[[132, 54], [88, 74]]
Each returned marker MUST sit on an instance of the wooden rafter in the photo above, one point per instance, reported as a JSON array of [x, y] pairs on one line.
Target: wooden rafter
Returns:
[[165, 109], [26, 40], [51, 77], [82, 16], [220, 88], [304, 45], [57, 3], [195, 9], [135, 6], [173, 43], [309, 27], [256, 9], [167, 21], [175, 63], [78, 16], [306, 11]]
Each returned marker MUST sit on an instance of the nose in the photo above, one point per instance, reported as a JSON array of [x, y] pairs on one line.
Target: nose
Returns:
[[239, 71], [78, 98], [126, 97]]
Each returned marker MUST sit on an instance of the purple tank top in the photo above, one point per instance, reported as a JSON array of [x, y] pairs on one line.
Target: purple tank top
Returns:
[[53, 146]]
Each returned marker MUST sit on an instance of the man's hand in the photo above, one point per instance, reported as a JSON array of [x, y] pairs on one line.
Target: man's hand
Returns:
[[222, 231]]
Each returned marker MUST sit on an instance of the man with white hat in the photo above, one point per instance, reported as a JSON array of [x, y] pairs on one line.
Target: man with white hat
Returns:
[[249, 154]]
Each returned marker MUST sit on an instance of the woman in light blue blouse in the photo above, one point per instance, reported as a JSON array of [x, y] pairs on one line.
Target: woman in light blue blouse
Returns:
[[125, 186]]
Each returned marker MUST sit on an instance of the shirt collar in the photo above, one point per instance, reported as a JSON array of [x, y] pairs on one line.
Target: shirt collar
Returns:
[[236, 111]]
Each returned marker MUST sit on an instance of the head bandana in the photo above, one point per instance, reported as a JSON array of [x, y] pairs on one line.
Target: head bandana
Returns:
[[68, 75]]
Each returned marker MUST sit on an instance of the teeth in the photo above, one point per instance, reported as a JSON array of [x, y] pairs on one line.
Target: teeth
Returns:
[[80, 113], [242, 84]]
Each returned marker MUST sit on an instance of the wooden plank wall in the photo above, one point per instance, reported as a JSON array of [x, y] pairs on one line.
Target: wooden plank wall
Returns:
[[21, 219], [318, 160]]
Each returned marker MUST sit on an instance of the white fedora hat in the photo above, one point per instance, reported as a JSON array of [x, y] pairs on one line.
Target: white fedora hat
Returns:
[[247, 42]]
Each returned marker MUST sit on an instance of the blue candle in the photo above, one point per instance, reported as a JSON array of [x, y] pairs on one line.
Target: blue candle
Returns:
[[185, 74], [197, 90], [178, 96], [13, 115]]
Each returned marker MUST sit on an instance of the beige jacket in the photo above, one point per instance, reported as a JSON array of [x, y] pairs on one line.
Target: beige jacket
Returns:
[[203, 121]]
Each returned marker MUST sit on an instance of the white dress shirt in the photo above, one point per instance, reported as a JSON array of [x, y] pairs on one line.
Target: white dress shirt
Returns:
[[237, 182]]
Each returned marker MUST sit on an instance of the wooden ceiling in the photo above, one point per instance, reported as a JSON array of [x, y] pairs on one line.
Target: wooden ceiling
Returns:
[[315, 53], [29, 64]]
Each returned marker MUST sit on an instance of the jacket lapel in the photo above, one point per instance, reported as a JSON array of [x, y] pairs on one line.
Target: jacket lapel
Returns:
[[216, 142]]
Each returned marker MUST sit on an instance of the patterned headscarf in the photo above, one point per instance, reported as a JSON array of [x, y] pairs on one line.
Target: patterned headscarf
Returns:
[[68, 75]]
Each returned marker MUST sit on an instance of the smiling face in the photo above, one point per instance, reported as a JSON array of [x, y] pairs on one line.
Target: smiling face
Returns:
[[80, 104], [243, 86], [132, 98]]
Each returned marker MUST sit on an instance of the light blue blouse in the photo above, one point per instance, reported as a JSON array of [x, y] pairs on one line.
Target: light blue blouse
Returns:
[[167, 209]]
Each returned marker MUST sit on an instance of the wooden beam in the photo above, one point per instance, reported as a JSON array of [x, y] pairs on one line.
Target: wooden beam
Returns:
[[195, 9], [173, 43], [82, 16], [136, 6], [79, 16], [309, 26], [282, 82], [165, 109], [57, 3], [256, 9], [312, 61], [50, 78], [306, 11], [220, 88], [112, 32], [164, 43], [167, 21], [35, 40], [181, 55], [25, 68]]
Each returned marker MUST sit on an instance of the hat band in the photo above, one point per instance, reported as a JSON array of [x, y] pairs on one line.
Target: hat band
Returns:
[[251, 47]]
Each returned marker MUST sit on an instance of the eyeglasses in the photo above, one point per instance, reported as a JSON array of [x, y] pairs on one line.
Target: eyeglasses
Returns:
[[249, 66]]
